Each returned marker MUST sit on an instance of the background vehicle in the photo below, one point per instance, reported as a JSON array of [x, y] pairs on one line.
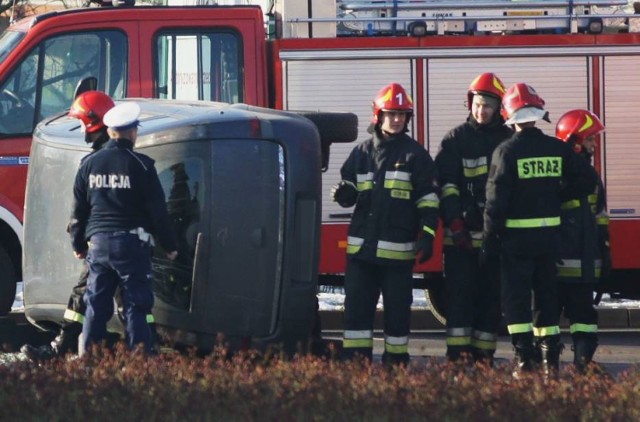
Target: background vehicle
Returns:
[[329, 56]]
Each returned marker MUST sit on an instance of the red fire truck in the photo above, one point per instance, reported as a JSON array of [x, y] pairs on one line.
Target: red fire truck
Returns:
[[333, 56]]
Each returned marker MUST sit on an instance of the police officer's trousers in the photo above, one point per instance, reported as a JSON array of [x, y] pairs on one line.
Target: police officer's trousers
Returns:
[[364, 281], [118, 259], [472, 303]]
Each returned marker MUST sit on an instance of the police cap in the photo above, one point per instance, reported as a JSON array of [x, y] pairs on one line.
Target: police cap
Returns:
[[123, 116]]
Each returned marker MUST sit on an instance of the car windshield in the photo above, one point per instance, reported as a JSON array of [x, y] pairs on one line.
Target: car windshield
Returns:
[[8, 40]]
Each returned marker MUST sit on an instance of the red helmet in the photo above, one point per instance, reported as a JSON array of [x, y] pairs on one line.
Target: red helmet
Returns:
[[485, 84], [392, 97], [90, 107], [578, 125], [521, 103]]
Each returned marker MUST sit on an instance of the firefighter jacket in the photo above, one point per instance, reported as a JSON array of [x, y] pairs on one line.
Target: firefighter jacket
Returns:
[[397, 196], [584, 240], [463, 165], [527, 175]]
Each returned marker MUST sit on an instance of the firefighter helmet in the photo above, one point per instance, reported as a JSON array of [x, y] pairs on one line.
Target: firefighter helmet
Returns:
[[392, 97], [485, 84], [90, 107], [521, 103], [578, 125]]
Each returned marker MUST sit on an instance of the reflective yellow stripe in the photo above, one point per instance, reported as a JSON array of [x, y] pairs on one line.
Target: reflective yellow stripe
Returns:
[[400, 194], [399, 255], [396, 349], [602, 220], [527, 223], [459, 341], [569, 205], [74, 316], [484, 344], [353, 249], [150, 319], [398, 184], [478, 171], [362, 186], [583, 328], [429, 200], [593, 198], [449, 189], [429, 230], [546, 331], [357, 343], [525, 327]]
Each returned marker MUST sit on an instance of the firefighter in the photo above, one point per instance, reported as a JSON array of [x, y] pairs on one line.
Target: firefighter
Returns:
[[89, 107], [391, 180], [118, 204], [522, 223], [585, 255], [472, 289]]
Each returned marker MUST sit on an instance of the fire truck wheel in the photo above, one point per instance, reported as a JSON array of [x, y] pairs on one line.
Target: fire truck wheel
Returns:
[[436, 302], [8, 281]]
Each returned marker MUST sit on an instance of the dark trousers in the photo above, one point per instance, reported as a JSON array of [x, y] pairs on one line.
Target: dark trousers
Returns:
[[520, 276], [118, 259], [364, 281], [472, 298], [576, 301]]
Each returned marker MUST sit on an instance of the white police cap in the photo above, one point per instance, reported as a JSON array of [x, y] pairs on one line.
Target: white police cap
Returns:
[[123, 116]]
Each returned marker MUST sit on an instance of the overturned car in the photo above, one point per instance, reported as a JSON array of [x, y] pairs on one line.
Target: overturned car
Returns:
[[243, 189]]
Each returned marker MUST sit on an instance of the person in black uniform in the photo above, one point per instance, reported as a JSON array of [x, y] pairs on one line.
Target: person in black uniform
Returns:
[[391, 180], [90, 108], [472, 289], [522, 220], [118, 205], [585, 258]]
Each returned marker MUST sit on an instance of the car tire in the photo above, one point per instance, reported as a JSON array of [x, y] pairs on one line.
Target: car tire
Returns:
[[8, 282]]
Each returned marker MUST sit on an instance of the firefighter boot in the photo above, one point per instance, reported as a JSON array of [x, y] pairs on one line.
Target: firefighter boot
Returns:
[[483, 356], [459, 354], [526, 356], [550, 349], [584, 346], [66, 341]]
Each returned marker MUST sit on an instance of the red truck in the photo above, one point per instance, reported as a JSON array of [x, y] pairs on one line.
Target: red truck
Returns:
[[332, 59]]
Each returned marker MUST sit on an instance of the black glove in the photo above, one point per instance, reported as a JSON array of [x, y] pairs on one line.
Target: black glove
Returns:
[[460, 235], [344, 193], [424, 247]]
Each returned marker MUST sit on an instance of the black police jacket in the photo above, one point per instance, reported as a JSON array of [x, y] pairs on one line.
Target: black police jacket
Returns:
[[527, 175], [117, 189], [397, 196], [463, 166]]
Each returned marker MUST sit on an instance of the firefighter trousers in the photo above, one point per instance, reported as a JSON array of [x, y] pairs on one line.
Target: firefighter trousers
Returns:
[[472, 303], [576, 301], [522, 275], [364, 281]]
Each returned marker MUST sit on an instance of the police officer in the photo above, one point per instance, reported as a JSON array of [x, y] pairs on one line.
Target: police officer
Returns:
[[118, 204], [584, 243], [522, 220], [90, 108], [472, 290], [391, 180]]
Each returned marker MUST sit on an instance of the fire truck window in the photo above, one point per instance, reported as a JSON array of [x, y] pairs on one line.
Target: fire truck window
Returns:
[[43, 84], [199, 66], [182, 182]]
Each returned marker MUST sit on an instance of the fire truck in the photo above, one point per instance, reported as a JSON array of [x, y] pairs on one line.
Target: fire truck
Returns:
[[333, 56]]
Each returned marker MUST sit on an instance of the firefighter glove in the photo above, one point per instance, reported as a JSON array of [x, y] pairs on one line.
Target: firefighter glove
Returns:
[[460, 235], [344, 193], [424, 248]]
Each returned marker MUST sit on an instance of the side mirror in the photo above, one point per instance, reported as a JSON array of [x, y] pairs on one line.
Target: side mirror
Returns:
[[90, 83]]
